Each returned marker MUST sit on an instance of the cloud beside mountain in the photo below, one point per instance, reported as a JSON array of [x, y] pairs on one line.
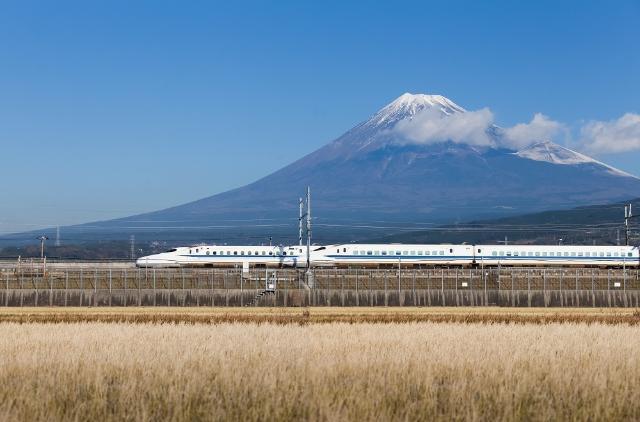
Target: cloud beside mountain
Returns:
[[615, 136], [431, 126]]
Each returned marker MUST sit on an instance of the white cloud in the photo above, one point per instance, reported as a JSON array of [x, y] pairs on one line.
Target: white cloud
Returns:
[[540, 128], [432, 126], [615, 136], [472, 128]]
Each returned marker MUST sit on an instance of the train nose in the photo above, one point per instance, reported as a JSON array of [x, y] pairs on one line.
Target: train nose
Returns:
[[155, 261]]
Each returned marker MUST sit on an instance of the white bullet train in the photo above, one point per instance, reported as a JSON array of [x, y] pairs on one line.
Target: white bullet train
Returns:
[[227, 256], [377, 255]]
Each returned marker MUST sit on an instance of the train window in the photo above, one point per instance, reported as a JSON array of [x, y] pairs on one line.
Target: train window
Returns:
[[419, 252], [587, 254], [376, 253], [494, 253], [235, 252], [214, 253], [355, 252], [390, 252], [537, 253], [369, 252], [601, 253], [615, 254], [441, 252], [629, 254], [384, 252], [398, 253], [479, 250], [426, 253], [270, 253], [412, 253], [190, 252], [434, 252], [363, 253], [300, 250], [197, 250], [523, 254], [580, 254], [344, 249], [337, 250], [515, 254], [207, 252], [241, 252], [257, 253], [544, 254], [573, 254], [501, 253]]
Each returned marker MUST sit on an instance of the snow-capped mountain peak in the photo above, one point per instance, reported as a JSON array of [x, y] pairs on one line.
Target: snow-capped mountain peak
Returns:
[[556, 154], [408, 105]]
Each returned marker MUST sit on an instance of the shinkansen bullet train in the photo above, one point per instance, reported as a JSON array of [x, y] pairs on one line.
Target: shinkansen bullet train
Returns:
[[381, 255]]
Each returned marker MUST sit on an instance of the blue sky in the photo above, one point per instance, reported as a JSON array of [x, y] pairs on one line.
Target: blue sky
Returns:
[[110, 108]]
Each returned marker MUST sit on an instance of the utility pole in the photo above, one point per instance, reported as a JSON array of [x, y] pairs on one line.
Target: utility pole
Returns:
[[300, 217], [628, 215], [42, 240], [308, 228]]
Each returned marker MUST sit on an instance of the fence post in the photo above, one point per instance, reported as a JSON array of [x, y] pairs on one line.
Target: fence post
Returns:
[[139, 282], [413, 287], [357, 293], [154, 286], [486, 298], [66, 287], [386, 299], [442, 284], [125, 287], [110, 288], [50, 288], [529, 286], [342, 290], [21, 288], [242, 291], [6, 298], [81, 287], [184, 296], [95, 287]]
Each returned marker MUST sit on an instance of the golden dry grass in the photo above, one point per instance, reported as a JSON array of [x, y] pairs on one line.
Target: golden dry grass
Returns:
[[278, 315], [333, 371]]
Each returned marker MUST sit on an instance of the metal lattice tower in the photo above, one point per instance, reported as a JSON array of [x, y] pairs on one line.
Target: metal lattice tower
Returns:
[[132, 252]]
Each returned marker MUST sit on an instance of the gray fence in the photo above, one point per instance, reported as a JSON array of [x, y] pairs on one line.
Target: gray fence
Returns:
[[37, 286]]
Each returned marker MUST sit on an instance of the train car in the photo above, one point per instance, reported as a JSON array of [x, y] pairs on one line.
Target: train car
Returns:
[[227, 256], [376, 255], [557, 255]]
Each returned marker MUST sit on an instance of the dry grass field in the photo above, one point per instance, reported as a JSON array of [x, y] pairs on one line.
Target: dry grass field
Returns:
[[318, 364], [303, 316]]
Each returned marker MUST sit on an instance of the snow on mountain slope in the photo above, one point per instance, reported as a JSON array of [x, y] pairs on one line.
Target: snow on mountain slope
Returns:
[[556, 154], [408, 105]]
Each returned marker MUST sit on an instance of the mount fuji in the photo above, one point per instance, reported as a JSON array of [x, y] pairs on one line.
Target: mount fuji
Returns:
[[374, 173]]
